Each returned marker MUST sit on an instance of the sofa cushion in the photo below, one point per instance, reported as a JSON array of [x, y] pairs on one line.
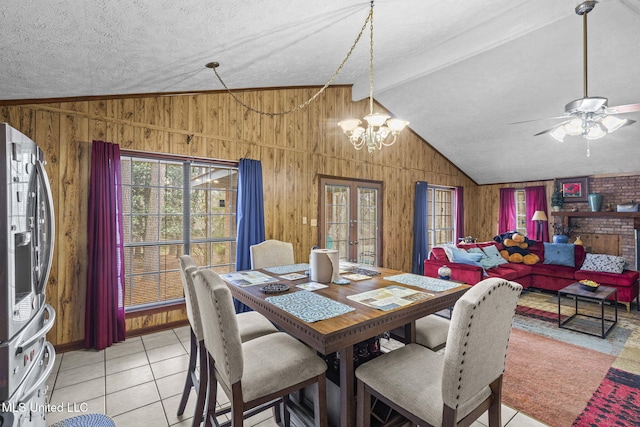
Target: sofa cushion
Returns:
[[464, 257], [485, 260], [559, 254], [494, 255], [604, 263], [625, 279], [553, 270], [438, 253]]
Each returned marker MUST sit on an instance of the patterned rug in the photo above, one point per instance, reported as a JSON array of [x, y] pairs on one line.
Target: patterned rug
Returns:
[[565, 378]]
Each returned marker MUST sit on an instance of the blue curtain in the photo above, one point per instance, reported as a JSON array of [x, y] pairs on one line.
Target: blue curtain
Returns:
[[459, 195], [420, 235], [249, 215]]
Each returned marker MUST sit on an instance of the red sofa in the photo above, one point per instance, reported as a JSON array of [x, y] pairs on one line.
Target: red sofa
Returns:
[[540, 276]]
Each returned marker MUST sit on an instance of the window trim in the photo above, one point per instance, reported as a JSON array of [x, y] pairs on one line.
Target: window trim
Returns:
[[187, 241], [431, 232]]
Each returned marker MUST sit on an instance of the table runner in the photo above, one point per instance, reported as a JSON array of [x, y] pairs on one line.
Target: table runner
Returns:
[[424, 282], [286, 269], [308, 306]]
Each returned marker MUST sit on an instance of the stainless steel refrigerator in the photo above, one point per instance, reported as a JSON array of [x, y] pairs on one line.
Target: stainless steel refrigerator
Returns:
[[26, 251]]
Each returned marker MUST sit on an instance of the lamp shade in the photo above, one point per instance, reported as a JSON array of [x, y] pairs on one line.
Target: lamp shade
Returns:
[[539, 216]]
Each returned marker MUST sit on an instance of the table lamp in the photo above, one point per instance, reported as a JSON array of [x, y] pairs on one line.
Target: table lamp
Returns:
[[539, 217]]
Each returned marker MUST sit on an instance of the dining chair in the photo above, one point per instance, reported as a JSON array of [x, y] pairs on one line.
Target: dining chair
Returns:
[[250, 324], [271, 253], [454, 387], [432, 331], [259, 373]]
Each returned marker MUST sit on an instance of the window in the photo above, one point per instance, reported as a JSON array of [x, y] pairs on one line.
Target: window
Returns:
[[172, 207], [521, 212], [441, 216]]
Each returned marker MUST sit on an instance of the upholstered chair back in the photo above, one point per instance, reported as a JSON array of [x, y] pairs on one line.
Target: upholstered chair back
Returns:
[[478, 337], [220, 326], [187, 267], [271, 253]]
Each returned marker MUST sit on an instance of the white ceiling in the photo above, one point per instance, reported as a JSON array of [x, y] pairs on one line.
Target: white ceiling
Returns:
[[459, 71]]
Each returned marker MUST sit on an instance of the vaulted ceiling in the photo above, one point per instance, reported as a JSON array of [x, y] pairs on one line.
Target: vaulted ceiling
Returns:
[[459, 71]]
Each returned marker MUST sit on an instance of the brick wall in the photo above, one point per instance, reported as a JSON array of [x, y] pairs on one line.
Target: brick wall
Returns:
[[614, 190]]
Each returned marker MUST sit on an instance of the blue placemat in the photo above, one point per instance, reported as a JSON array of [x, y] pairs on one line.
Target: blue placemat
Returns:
[[424, 282], [286, 269], [308, 306], [86, 420]]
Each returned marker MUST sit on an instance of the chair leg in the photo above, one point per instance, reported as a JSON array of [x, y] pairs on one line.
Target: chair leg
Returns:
[[285, 411], [237, 406], [190, 370], [495, 410], [363, 416], [320, 404], [202, 386], [211, 392]]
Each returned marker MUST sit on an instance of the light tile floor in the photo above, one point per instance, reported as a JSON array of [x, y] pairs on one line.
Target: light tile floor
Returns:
[[139, 383]]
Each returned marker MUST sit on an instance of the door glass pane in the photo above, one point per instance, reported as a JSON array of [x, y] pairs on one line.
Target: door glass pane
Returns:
[[367, 226], [337, 219]]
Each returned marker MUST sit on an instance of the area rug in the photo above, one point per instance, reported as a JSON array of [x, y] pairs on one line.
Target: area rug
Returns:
[[564, 378]]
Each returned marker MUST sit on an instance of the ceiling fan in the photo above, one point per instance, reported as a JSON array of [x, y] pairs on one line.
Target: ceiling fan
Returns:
[[589, 116]]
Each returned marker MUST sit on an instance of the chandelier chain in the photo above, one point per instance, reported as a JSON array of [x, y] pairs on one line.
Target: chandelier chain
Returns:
[[322, 89], [371, 60]]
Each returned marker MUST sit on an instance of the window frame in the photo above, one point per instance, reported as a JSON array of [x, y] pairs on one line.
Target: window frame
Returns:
[[432, 231], [186, 240]]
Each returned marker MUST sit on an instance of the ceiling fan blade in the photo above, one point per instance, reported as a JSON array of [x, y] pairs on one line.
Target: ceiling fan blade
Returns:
[[550, 129], [621, 109], [538, 120]]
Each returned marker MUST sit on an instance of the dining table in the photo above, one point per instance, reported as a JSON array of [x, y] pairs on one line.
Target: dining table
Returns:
[[356, 319]]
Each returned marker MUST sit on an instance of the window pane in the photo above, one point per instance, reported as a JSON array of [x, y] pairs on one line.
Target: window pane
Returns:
[[441, 216], [337, 219], [367, 226], [154, 216]]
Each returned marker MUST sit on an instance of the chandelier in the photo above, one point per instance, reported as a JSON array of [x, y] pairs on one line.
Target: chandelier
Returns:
[[379, 126]]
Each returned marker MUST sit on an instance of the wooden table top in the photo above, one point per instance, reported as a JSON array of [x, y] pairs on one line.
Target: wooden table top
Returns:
[[327, 336]]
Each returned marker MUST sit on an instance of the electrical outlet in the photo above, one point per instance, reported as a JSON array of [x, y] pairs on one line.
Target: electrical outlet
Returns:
[[314, 222]]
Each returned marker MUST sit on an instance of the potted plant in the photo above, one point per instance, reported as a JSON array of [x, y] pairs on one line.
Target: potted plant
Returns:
[[556, 199], [561, 233]]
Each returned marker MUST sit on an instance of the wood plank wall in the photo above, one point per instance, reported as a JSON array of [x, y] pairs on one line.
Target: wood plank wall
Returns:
[[294, 149]]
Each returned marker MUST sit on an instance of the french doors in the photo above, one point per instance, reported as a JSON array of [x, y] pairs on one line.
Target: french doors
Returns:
[[351, 219]]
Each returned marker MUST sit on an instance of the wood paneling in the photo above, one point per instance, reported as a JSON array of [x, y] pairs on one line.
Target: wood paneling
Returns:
[[294, 150]]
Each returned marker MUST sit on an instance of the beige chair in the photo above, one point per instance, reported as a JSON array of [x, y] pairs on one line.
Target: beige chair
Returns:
[[255, 373], [432, 331], [271, 253], [250, 324], [454, 388]]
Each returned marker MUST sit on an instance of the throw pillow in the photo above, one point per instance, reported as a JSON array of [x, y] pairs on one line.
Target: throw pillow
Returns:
[[604, 263], [559, 254], [462, 256], [494, 256]]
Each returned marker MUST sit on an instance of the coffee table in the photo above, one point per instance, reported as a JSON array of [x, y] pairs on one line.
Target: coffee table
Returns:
[[599, 296]]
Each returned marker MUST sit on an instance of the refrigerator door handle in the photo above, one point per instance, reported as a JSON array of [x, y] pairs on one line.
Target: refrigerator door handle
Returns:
[[42, 175], [46, 327], [48, 348]]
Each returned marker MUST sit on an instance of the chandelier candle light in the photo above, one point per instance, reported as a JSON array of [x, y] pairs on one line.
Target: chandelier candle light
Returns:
[[379, 126]]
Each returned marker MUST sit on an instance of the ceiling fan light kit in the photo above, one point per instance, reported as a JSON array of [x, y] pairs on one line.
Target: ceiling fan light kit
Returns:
[[589, 116]]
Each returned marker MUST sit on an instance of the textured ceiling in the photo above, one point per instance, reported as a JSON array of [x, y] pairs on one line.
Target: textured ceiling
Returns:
[[459, 71]]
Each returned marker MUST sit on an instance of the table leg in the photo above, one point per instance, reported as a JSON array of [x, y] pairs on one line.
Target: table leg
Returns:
[[347, 388]]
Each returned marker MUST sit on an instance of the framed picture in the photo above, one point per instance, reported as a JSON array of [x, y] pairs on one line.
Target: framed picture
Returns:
[[574, 189]]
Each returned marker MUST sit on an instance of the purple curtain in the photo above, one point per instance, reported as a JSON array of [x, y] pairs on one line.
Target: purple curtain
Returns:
[[507, 214], [104, 314], [536, 200], [459, 195]]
